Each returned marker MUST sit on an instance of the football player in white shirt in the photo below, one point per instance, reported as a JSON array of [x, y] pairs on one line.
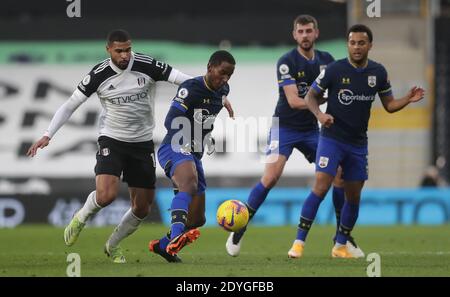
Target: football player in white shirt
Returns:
[[125, 85]]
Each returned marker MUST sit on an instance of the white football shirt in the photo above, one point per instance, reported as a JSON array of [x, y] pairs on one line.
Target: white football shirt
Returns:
[[127, 96]]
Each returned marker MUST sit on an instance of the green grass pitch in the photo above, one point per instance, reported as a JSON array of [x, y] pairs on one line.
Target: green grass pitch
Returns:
[[38, 250]]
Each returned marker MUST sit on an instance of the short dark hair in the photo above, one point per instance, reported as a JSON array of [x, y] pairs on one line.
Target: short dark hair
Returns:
[[221, 56], [305, 19], [360, 28], [119, 35]]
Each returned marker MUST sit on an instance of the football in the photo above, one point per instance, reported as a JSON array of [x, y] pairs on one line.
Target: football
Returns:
[[232, 215]]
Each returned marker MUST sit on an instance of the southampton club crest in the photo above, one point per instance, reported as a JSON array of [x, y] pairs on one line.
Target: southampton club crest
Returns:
[[371, 80], [323, 162]]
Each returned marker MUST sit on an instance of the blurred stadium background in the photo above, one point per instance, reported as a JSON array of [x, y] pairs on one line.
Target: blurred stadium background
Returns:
[[44, 54]]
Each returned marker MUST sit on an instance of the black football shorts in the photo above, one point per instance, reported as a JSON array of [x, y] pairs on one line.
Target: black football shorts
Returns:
[[134, 161]]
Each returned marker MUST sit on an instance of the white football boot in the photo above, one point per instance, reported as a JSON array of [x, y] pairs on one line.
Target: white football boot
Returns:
[[233, 248]]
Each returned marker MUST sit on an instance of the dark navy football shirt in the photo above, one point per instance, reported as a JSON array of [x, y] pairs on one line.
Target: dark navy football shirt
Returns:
[[192, 113], [293, 68], [351, 91]]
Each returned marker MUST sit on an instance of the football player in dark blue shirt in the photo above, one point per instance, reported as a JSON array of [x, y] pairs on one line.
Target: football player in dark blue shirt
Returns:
[[189, 123], [352, 85], [297, 127]]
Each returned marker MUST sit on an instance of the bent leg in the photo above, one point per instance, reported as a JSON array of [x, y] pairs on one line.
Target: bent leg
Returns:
[[272, 172], [107, 187]]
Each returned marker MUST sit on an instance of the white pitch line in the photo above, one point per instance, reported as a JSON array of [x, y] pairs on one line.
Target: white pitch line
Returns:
[[435, 253]]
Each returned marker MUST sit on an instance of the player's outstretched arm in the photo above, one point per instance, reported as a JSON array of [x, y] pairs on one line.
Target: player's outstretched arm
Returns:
[[227, 104], [313, 99], [393, 105], [61, 116], [41, 143]]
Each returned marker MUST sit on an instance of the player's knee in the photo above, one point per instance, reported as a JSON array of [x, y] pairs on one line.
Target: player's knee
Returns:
[[104, 197], [321, 189], [270, 180], [353, 198], [189, 185]]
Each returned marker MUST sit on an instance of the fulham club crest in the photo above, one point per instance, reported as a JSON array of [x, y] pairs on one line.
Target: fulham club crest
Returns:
[[104, 151], [371, 80], [141, 81]]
